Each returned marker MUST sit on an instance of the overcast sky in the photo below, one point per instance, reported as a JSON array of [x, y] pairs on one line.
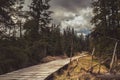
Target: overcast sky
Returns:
[[72, 13]]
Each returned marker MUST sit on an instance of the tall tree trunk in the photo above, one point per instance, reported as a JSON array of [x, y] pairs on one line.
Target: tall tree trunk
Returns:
[[20, 25], [113, 57]]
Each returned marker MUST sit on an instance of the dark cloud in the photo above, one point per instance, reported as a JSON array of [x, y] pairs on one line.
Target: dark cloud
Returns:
[[70, 5], [80, 23], [72, 13], [62, 7]]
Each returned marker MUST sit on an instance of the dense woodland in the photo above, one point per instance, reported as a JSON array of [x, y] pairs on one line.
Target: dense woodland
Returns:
[[107, 28], [107, 22], [28, 36]]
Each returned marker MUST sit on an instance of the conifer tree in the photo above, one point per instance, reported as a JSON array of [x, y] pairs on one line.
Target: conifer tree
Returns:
[[106, 21], [6, 21], [41, 15]]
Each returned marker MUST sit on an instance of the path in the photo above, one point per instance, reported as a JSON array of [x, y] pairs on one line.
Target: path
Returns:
[[37, 72]]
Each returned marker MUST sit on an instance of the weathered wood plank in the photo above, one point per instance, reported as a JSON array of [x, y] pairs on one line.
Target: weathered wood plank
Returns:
[[37, 72]]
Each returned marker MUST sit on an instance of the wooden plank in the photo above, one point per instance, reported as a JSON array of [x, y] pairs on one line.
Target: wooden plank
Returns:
[[37, 72]]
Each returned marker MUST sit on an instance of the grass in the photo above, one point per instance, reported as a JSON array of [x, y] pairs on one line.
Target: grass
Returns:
[[77, 70]]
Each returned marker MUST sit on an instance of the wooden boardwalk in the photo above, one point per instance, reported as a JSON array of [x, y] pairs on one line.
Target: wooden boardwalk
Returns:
[[37, 72]]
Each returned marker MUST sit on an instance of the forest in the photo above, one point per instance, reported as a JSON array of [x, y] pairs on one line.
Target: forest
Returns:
[[106, 34], [28, 36], [107, 26]]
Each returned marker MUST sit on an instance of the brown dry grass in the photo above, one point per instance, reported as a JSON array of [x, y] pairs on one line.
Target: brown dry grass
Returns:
[[75, 72], [52, 58]]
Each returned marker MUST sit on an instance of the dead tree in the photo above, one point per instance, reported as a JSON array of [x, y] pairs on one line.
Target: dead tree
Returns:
[[71, 54], [92, 60], [114, 58]]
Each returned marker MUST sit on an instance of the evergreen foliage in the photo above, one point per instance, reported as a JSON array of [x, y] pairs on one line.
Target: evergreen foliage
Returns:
[[107, 25], [25, 43]]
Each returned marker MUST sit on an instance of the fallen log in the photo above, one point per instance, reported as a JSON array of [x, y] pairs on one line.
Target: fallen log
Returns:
[[109, 76]]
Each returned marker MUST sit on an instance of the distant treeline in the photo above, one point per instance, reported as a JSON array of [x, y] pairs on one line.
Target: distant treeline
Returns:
[[28, 36]]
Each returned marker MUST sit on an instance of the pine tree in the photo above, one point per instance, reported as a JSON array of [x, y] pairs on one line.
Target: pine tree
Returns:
[[5, 18], [106, 20], [41, 15], [18, 16]]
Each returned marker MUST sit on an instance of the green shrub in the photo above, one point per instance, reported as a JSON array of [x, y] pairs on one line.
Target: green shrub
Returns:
[[12, 58]]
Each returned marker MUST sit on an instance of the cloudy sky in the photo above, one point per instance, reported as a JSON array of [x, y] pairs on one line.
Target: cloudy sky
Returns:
[[72, 13]]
